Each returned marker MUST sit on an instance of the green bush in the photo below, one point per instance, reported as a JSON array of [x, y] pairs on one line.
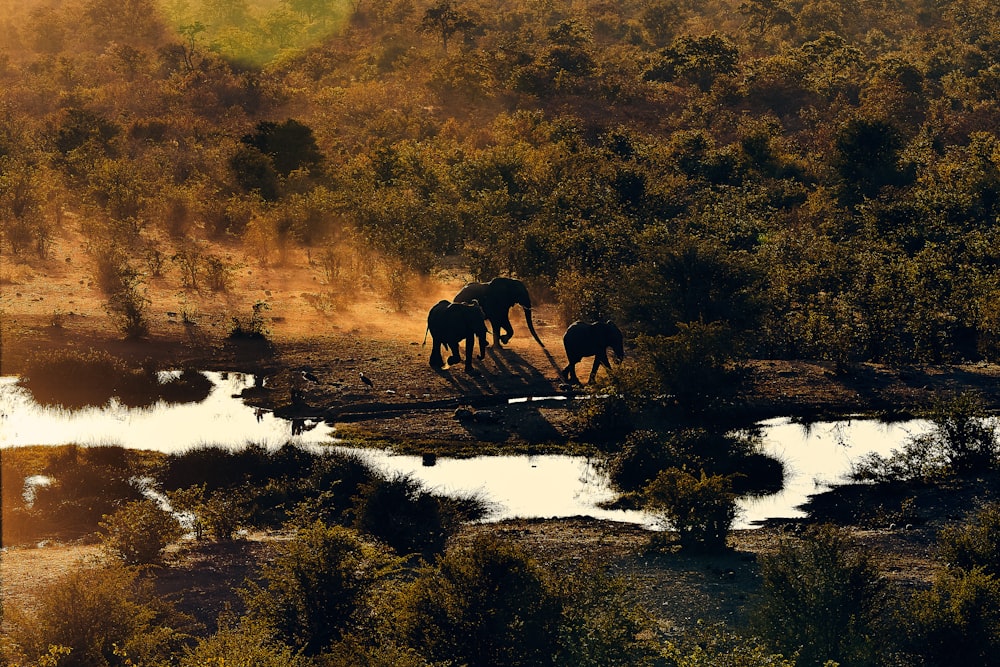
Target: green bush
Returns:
[[694, 367], [486, 603], [138, 532], [820, 598], [701, 509], [956, 622], [242, 643], [100, 614], [717, 646], [975, 542], [316, 583]]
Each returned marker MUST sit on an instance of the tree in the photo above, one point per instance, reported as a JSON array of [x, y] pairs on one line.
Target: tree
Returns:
[[700, 60], [443, 19]]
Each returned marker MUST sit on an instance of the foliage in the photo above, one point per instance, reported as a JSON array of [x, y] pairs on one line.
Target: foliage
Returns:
[[138, 532], [99, 613], [312, 590], [700, 508], [404, 516], [253, 327], [975, 542], [693, 367], [715, 646], [962, 441], [242, 643], [956, 621], [486, 603], [821, 598]]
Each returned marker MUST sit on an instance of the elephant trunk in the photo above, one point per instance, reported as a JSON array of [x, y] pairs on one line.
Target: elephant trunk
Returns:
[[531, 326]]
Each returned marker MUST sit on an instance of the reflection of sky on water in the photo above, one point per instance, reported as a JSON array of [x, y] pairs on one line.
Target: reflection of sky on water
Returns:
[[221, 419], [819, 455], [540, 486], [518, 486]]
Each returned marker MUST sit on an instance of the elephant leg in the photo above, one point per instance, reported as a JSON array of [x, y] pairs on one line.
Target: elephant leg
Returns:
[[456, 355], [505, 326], [570, 372], [593, 369], [436, 360], [470, 344]]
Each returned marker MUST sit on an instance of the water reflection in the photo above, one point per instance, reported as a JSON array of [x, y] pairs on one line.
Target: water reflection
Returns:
[[221, 419], [815, 455]]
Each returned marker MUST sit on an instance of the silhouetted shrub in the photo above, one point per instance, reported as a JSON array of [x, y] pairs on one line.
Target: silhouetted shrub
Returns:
[[252, 328], [700, 508], [821, 597], [963, 440], [484, 603], [404, 516]]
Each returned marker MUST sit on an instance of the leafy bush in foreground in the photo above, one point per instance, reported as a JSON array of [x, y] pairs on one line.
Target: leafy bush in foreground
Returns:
[[975, 542], [138, 532], [956, 622], [313, 587], [700, 508], [821, 598], [98, 613]]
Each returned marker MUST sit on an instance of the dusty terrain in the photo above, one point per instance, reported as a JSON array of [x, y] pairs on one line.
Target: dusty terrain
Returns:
[[314, 327]]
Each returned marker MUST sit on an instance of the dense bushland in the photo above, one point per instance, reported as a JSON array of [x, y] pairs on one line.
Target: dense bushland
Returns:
[[807, 180]]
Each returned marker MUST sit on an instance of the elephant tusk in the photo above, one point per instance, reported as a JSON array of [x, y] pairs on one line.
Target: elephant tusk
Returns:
[[426, 331]]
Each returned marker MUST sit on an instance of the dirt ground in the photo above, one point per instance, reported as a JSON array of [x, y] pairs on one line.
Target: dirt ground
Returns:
[[313, 328]]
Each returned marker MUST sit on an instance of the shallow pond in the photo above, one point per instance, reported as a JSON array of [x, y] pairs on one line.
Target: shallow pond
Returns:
[[517, 486]]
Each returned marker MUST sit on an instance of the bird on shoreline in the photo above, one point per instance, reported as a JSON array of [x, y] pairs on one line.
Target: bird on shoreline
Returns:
[[367, 380]]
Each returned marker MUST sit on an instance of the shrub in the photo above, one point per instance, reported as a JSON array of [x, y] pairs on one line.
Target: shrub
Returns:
[[956, 622], [694, 366], [600, 625], [962, 441], [315, 585], [486, 603], [99, 613], [820, 597], [963, 432], [224, 513], [701, 509], [243, 643], [715, 646], [404, 516], [138, 532], [252, 328], [975, 542]]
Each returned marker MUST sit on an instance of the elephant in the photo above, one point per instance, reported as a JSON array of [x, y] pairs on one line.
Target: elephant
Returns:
[[497, 297], [586, 339], [449, 323]]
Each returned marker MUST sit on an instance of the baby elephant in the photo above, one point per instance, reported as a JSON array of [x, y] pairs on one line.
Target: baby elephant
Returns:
[[591, 339], [451, 323]]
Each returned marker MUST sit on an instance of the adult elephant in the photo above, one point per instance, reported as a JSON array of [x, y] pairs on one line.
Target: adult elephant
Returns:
[[451, 323], [497, 297], [591, 339]]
